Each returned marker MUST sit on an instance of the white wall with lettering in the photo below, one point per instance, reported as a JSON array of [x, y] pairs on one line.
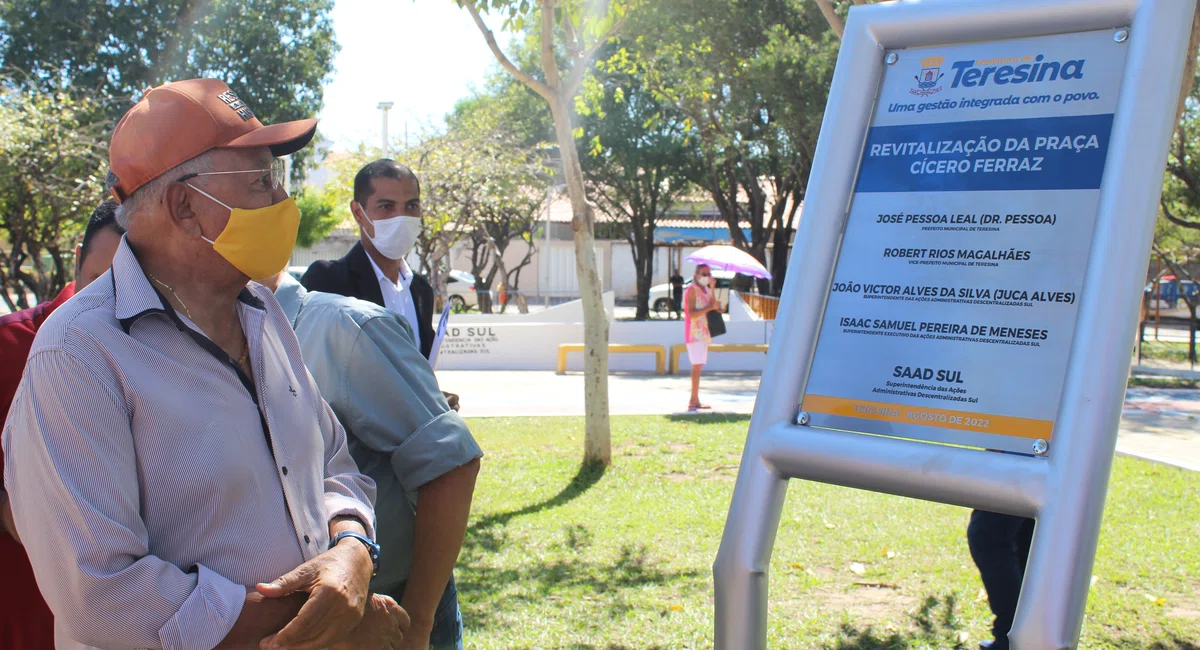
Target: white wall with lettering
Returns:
[[534, 346]]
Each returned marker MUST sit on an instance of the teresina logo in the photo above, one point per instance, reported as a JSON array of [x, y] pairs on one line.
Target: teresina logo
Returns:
[[971, 74]]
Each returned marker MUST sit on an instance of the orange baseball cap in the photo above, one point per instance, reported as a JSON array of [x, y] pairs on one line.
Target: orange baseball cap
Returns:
[[176, 122]]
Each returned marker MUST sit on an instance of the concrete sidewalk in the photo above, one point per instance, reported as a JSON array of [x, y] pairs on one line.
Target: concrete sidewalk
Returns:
[[1162, 425]]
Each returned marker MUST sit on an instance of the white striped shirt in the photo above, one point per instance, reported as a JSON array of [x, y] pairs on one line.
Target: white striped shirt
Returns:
[[152, 482]]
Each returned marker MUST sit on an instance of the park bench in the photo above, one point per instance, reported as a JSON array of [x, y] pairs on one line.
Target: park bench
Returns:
[[660, 353], [679, 349]]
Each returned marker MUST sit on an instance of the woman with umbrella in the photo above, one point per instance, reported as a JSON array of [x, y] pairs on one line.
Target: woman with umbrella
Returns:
[[698, 301]]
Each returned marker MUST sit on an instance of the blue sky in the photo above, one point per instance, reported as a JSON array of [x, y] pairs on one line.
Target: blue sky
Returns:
[[423, 55]]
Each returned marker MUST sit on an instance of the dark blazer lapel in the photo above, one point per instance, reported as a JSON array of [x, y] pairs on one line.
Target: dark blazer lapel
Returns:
[[422, 293], [363, 274]]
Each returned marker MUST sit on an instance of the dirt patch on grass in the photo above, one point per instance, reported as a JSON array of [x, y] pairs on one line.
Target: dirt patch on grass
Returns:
[[864, 604], [1185, 605], [679, 447], [633, 449], [677, 477], [1184, 612], [722, 473]]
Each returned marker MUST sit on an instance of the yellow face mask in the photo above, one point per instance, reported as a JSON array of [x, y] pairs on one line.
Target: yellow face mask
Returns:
[[257, 242]]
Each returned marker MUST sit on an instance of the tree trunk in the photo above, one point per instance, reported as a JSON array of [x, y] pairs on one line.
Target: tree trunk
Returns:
[[597, 435], [497, 265], [779, 261], [1192, 335], [643, 263]]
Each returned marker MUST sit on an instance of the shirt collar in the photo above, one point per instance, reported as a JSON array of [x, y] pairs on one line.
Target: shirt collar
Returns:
[[290, 295], [405, 271], [135, 297]]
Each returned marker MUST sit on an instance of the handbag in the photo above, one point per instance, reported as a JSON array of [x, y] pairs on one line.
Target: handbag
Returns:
[[716, 324]]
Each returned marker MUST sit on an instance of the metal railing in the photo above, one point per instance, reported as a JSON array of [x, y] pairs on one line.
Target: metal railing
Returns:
[[503, 301], [765, 307]]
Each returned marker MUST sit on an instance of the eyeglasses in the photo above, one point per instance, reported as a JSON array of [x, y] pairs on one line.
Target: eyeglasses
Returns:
[[277, 172]]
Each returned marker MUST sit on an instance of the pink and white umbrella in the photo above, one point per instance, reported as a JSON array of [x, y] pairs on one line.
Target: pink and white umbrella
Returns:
[[728, 258]]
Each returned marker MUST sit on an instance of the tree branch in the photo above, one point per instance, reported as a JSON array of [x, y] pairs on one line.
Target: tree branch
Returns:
[[834, 20], [506, 63], [1182, 173], [1180, 272], [549, 64], [1195, 225], [580, 67], [1189, 67], [574, 42]]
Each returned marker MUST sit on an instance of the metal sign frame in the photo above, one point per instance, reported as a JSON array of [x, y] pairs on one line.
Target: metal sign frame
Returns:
[[1064, 490]]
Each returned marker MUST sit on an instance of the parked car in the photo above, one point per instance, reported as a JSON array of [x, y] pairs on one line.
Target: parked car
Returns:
[[1168, 294], [297, 271], [460, 287], [660, 295]]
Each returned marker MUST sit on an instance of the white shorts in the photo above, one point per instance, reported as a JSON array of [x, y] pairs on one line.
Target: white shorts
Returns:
[[698, 352]]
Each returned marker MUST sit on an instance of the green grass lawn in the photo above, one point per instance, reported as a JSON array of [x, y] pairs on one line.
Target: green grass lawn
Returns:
[[1165, 351], [561, 558]]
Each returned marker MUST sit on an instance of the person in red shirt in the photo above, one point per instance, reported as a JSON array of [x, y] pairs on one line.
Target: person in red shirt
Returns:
[[25, 621]]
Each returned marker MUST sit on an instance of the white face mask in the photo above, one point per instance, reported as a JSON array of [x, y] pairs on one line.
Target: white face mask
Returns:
[[395, 237], [703, 281]]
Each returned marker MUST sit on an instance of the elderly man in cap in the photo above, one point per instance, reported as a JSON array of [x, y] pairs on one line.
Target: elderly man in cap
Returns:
[[175, 475]]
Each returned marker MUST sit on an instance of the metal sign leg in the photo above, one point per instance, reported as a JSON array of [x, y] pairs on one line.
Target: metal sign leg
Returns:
[[741, 568]]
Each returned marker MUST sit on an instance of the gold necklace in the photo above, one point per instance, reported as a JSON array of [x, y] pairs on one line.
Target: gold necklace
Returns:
[[168, 288], [242, 361]]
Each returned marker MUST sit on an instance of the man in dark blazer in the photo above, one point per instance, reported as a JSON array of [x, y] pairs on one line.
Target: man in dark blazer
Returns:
[[387, 207]]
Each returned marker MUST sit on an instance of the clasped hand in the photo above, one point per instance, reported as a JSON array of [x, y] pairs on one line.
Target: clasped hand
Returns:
[[340, 613]]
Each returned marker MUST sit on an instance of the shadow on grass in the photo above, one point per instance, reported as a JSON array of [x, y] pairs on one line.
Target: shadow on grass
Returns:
[[558, 568], [1175, 643], [494, 595], [935, 625], [709, 418], [486, 533]]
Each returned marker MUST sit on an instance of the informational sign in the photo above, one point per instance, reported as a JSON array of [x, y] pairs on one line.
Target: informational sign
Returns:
[[472, 340], [954, 301], [440, 335]]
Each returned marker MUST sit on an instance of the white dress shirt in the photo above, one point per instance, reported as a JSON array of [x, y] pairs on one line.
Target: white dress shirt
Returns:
[[397, 296], [153, 481]]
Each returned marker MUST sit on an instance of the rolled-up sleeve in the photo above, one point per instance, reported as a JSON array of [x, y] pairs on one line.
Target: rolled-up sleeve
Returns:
[[73, 483], [348, 492], [390, 399]]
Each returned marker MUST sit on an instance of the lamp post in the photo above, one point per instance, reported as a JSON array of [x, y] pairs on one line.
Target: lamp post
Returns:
[[385, 107]]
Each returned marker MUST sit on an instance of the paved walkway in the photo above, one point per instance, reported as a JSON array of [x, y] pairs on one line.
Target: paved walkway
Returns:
[[1162, 425]]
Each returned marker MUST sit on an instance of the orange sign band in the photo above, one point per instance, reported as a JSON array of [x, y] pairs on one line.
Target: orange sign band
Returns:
[[1000, 425]]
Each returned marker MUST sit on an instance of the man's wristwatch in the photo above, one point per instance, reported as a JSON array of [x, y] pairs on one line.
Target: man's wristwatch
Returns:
[[372, 547]]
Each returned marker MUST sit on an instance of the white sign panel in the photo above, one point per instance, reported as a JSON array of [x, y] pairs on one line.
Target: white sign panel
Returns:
[[954, 300]]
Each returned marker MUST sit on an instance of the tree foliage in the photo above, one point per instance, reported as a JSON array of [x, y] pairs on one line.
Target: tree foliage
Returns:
[[752, 80], [53, 151], [274, 53], [639, 161], [491, 174], [318, 216], [1181, 187], [569, 34]]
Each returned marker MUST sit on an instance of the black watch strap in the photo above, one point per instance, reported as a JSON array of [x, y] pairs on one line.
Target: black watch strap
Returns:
[[372, 547]]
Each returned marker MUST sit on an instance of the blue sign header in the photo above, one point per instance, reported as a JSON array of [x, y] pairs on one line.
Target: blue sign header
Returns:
[[1054, 153]]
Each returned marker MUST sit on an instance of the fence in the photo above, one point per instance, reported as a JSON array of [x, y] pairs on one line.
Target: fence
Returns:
[[509, 300], [764, 307]]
